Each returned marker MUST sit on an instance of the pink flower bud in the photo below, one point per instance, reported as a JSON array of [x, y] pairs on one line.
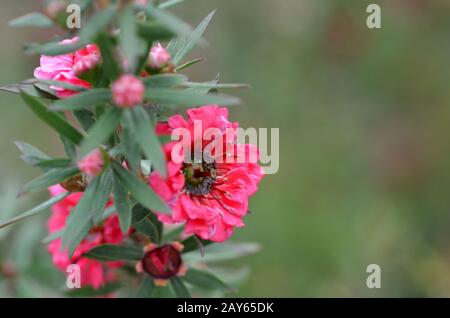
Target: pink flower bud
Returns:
[[128, 91], [92, 165], [159, 57]]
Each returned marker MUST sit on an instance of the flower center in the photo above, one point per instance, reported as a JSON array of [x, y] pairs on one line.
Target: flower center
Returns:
[[199, 177]]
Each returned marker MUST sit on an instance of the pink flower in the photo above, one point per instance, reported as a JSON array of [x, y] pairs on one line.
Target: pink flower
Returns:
[[66, 68], [92, 165], [93, 272], [128, 91], [210, 197], [159, 57]]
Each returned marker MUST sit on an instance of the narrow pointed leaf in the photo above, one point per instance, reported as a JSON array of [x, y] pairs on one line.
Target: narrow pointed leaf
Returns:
[[80, 219], [179, 48], [31, 154], [42, 207], [169, 3], [48, 179], [154, 31], [150, 144], [129, 40], [84, 100], [179, 288], [165, 81], [96, 24], [54, 163], [215, 85], [110, 252], [172, 22], [205, 280], [110, 69], [187, 98], [147, 228], [54, 120], [101, 131], [65, 85], [194, 243], [139, 190], [34, 19], [146, 289], [123, 206], [29, 89], [189, 64]]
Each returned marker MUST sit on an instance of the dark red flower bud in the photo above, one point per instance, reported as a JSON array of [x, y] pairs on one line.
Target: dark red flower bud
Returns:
[[162, 262]]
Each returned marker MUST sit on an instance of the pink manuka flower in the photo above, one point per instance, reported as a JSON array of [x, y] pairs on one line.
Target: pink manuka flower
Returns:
[[211, 197], [92, 165], [158, 57], [93, 273], [67, 68], [128, 91]]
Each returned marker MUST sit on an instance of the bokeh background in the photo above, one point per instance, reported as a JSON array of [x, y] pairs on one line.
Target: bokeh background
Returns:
[[364, 120]]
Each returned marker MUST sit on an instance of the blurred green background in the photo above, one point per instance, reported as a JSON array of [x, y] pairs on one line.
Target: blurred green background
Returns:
[[364, 120]]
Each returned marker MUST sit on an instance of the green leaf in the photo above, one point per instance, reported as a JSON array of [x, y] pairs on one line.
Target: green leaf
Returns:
[[34, 19], [189, 64], [187, 98], [194, 243], [139, 190], [139, 213], [96, 24], [48, 179], [54, 120], [179, 288], [29, 89], [164, 81], [54, 163], [179, 48], [110, 252], [132, 149], [205, 280], [55, 48], [41, 207], [31, 154], [85, 118], [105, 188], [110, 68], [80, 219], [51, 237], [173, 235], [146, 227], [101, 131], [69, 147], [123, 205], [146, 137], [214, 85], [223, 252], [154, 31], [129, 42], [90, 291], [60, 84], [169, 3], [84, 100], [172, 22], [146, 289]]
